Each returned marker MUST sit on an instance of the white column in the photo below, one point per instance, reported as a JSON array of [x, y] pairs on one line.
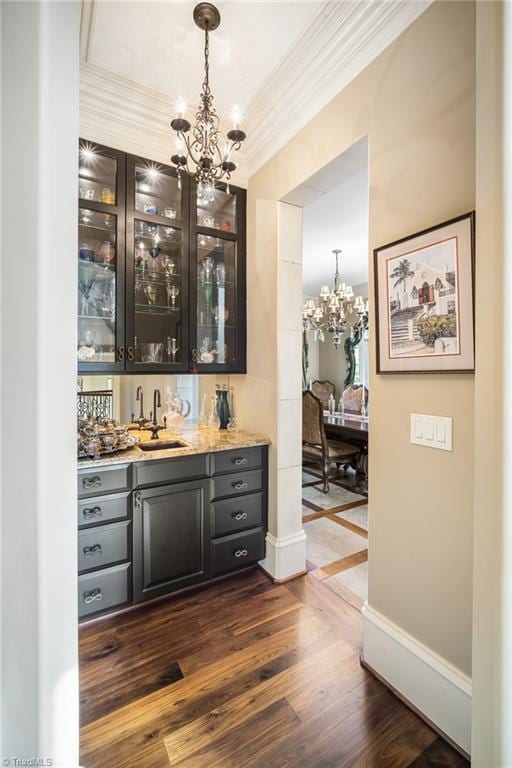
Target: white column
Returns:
[[286, 552], [40, 78], [492, 605]]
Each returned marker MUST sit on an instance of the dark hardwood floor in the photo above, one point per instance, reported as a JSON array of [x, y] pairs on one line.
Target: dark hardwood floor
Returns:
[[243, 674]]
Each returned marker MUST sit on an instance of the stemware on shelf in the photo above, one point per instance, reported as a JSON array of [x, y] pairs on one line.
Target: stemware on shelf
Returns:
[[86, 280], [172, 294], [172, 349], [151, 293]]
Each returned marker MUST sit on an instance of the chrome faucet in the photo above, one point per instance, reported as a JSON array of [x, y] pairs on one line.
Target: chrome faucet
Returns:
[[155, 426], [141, 421]]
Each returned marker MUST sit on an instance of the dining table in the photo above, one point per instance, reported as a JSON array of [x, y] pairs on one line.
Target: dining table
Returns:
[[350, 428]]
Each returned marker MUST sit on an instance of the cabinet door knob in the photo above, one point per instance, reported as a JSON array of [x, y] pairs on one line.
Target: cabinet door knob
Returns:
[[240, 461], [131, 353], [120, 353], [90, 514], [92, 551], [240, 515], [92, 596], [241, 553], [91, 482], [137, 498], [240, 486]]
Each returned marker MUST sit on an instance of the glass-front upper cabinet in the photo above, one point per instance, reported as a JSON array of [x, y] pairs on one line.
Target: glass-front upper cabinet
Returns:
[[100, 255], [157, 284], [218, 269]]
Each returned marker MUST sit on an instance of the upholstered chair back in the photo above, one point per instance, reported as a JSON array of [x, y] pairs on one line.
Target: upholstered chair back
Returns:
[[323, 389]]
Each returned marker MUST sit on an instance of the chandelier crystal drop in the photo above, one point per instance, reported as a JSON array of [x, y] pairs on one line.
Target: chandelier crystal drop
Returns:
[[333, 309], [204, 151]]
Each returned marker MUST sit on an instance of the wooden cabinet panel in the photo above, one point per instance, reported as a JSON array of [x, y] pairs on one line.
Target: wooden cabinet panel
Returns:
[[170, 470], [171, 533], [237, 461], [93, 482], [235, 551], [103, 509], [234, 485], [101, 590], [103, 545], [234, 515]]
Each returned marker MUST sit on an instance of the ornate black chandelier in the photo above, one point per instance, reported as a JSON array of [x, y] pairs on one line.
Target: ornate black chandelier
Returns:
[[206, 150]]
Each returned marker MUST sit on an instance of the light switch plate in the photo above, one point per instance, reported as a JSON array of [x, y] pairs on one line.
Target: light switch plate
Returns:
[[432, 431]]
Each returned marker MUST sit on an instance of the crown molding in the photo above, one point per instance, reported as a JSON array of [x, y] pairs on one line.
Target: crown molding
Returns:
[[340, 42]]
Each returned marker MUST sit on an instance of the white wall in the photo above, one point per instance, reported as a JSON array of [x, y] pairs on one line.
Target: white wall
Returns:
[[39, 656]]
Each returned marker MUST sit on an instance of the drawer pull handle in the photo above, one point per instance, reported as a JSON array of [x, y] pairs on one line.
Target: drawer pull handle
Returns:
[[90, 597], [241, 553], [91, 482], [240, 486], [240, 515], [90, 514], [92, 551], [240, 462]]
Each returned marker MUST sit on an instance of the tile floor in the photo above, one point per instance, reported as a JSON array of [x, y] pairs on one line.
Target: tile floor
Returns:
[[337, 540]]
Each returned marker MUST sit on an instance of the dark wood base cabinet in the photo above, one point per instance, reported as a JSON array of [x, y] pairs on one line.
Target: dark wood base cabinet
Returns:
[[150, 528]]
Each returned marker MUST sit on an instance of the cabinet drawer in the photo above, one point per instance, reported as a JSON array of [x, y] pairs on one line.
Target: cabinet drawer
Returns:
[[94, 482], [170, 470], [233, 515], [235, 461], [237, 550], [102, 509], [103, 545], [233, 485], [105, 589]]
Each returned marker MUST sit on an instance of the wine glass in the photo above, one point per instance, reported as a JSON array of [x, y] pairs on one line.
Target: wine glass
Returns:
[[150, 291], [169, 266], [172, 293], [208, 268], [107, 251], [172, 349], [86, 280]]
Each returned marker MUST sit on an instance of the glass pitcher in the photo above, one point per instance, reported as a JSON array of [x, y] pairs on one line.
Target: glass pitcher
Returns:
[[179, 409]]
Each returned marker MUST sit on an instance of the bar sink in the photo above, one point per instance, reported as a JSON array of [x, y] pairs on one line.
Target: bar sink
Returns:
[[161, 445]]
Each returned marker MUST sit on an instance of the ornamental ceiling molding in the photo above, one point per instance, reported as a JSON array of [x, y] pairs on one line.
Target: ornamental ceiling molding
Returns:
[[341, 41]]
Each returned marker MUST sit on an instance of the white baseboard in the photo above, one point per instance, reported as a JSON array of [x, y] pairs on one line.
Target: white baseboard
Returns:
[[432, 685], [285, 557]]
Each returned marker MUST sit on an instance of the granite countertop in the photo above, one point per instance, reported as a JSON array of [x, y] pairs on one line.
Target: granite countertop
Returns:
[[197, 441]]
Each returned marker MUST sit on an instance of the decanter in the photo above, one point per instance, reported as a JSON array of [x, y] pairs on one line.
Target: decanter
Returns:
[[203, 416], [223, 406], [214, 421]]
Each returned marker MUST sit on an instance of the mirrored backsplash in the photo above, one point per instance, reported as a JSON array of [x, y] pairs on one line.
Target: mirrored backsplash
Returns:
[[116, 396]]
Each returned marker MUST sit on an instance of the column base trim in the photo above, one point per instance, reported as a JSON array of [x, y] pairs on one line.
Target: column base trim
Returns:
[[433, 687], [285, 558]]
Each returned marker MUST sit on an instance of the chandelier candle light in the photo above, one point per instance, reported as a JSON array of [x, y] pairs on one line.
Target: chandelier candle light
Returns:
[[331, 312], [204, 151]]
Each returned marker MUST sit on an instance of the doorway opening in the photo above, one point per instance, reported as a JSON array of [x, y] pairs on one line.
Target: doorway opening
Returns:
[[335, 373]]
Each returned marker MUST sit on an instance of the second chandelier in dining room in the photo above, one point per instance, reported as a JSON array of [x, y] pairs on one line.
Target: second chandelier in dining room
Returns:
[[204, 151], [334, 309]]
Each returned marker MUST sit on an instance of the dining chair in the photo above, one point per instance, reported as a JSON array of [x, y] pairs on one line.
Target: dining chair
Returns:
[[315, 445], [323, 390], [353, 398]]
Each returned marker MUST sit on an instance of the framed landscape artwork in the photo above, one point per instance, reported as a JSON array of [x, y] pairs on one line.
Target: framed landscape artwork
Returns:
[[424, 300]]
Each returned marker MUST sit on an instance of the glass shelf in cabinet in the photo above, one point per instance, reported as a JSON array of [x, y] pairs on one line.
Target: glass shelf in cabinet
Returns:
[[97, 318], [100, 270], [155, 309]]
